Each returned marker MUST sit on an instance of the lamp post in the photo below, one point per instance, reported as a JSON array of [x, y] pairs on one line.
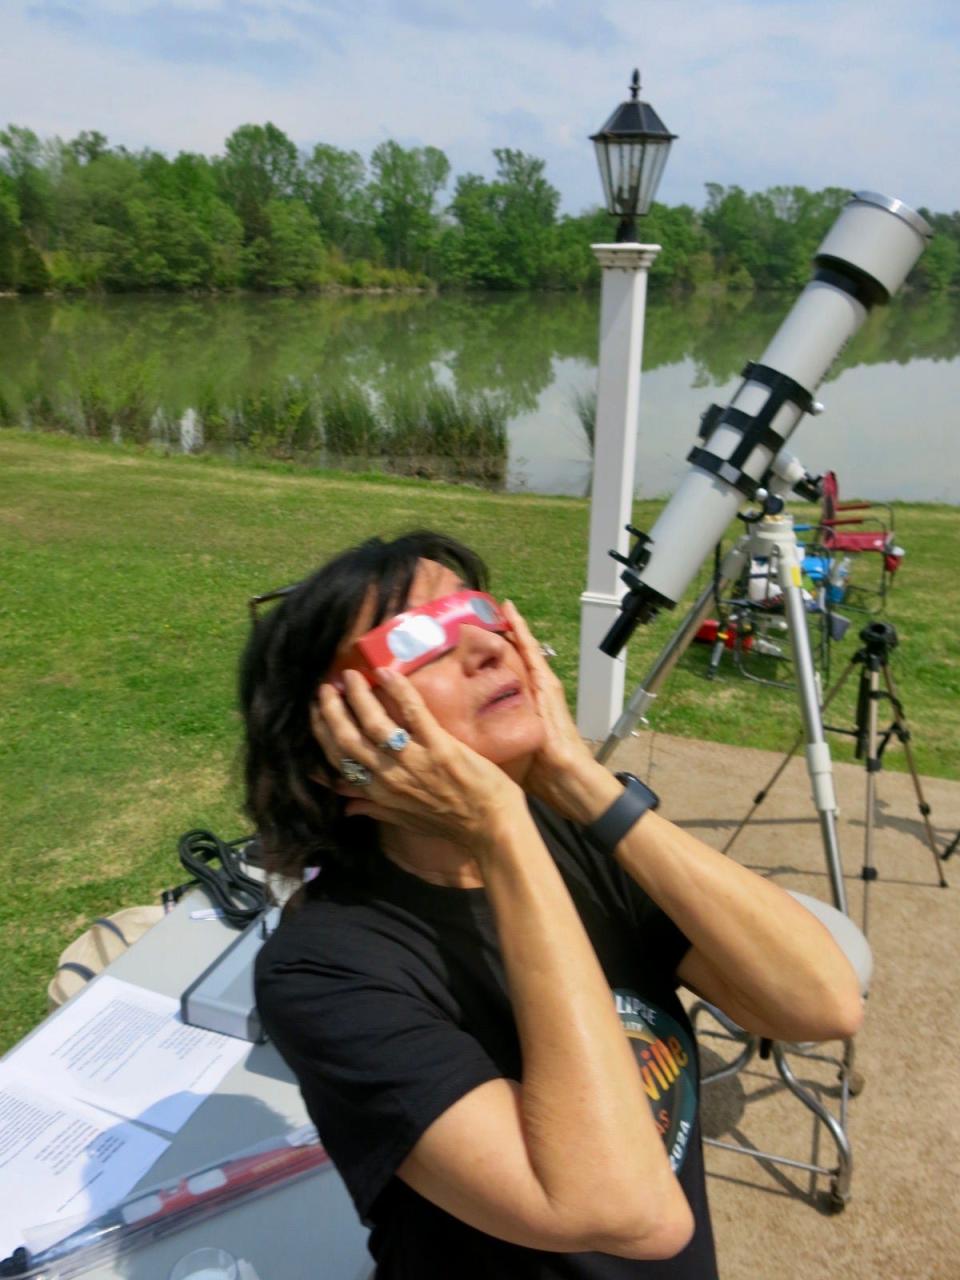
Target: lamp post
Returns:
[[631, 151]]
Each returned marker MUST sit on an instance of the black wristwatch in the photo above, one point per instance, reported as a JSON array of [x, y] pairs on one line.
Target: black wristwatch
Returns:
[[608, 830]]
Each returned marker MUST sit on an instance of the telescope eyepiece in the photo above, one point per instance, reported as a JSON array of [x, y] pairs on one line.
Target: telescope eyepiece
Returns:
[[638, 606]]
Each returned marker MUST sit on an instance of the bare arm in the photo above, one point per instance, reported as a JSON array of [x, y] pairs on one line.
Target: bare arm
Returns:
[[755, 952], [569, 1158], [586, 1168]]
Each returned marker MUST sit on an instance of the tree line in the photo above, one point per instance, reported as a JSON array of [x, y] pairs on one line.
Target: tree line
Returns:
[[84, 216]]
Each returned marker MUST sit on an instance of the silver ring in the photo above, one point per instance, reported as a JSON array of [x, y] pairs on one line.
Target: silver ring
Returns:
[[354, 772], [396, 741], [548, 651]]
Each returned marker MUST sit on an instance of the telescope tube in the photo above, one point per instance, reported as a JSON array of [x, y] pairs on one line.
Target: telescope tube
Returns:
[[864, 259]]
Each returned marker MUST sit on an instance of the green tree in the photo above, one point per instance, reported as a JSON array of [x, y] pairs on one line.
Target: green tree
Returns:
[[334, 184], [84, 215], [196, 235], [470, 250], [88, 145], [294, 255], [939, 267], [32, 274], [260, 164], [22, 159], [526, 207], [226, 257], [767, 238], [9, 232], [731, 221], [403, 189], [686, 261], [107, 223], [506, 227]]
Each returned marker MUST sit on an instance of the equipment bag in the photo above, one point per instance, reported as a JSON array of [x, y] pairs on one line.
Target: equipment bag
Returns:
[[107, 938]]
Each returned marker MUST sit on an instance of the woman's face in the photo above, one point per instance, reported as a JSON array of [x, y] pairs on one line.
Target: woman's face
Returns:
[[479, 691]]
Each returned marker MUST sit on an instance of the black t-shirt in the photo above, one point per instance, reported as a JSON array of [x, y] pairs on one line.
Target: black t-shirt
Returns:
[[389, 1003]]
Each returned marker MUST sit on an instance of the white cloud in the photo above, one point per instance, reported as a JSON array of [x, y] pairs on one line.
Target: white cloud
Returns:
[[847, 93]]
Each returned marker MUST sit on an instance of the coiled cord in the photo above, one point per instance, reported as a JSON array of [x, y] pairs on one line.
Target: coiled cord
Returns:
[[239, 896]]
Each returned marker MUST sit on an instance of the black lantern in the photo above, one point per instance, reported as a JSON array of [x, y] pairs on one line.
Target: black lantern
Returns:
[[632, 150]]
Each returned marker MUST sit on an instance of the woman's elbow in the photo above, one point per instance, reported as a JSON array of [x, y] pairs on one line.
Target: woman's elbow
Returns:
[[847, 1017], [649, 1240], [842, 1005], [838, 1018]]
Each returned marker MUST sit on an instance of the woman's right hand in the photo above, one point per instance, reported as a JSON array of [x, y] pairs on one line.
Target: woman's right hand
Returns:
[[434, 786]]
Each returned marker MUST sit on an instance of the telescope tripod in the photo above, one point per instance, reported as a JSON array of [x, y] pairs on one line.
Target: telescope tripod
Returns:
[[769, 535], [879, 638]]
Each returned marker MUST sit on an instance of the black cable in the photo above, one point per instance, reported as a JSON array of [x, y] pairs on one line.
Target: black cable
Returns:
[[716, 581], [240, 897]]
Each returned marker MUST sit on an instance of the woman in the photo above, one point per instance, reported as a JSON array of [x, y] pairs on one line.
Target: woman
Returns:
[[493, 912]]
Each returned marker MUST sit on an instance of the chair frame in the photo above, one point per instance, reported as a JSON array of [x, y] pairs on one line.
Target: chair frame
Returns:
[[872, 535], [850, 1082]]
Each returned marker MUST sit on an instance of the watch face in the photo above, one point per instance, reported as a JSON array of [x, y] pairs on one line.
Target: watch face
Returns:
[[631, 780]]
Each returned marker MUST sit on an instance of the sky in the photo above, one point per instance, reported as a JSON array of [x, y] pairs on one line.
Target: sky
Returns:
[[852, 93]]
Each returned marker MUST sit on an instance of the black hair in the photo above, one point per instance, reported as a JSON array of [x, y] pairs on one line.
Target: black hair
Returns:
[[298, 818]]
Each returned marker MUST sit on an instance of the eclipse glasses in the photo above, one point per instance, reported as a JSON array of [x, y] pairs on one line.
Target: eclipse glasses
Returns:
[[411, 639]]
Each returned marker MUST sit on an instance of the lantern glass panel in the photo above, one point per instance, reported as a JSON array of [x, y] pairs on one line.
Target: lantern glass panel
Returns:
[[609, 183], [630, 170], [654, 161]]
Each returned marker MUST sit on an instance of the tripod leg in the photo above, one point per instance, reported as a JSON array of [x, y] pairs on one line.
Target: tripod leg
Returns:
[[761, 795], [867, 704], [819, 765], [903, 733]]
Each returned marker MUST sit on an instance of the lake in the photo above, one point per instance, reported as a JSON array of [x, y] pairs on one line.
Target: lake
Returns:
[[890, 429]]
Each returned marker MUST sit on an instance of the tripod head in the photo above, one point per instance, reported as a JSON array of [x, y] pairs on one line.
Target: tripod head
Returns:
[[880, 639]]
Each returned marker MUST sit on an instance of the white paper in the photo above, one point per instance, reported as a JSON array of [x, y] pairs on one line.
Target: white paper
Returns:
[[125, 1049], [62, 1159]]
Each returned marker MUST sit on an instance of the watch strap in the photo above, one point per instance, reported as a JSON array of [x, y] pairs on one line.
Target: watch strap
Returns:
[[608, 830]]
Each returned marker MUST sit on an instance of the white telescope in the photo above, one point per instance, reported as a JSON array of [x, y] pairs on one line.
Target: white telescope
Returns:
[[865, 258]]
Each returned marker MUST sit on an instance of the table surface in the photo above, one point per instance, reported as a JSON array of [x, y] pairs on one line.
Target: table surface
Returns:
[[306, 1231]]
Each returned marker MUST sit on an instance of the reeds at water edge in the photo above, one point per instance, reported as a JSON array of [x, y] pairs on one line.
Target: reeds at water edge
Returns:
[[434, 431]]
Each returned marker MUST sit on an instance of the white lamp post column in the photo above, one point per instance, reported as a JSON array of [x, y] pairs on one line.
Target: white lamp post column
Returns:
[[622, 305]]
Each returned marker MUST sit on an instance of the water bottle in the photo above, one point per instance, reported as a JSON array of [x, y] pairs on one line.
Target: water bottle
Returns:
[[837, 582]]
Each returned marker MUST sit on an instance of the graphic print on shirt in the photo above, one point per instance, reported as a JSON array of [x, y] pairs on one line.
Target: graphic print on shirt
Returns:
[[668, 1068]]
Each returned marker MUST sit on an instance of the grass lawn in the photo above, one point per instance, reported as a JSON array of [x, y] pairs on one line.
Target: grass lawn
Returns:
[[123, 606]]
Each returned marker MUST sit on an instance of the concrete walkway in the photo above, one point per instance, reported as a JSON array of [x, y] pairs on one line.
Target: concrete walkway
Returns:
[[904, 1218]]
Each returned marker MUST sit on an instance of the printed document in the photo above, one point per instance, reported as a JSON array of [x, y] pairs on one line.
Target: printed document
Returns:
[[60, 1159], [127, 1050]]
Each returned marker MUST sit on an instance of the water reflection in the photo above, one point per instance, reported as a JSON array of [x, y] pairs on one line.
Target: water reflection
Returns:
[[890, 396]]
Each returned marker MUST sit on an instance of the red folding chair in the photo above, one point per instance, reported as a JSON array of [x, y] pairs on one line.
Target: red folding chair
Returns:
[[846, 530]]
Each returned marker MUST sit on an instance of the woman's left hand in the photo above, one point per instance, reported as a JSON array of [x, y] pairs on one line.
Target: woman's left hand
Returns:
[[563, 773]]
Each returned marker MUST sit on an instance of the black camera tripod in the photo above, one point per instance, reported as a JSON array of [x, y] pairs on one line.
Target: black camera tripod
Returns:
[[879, 639]]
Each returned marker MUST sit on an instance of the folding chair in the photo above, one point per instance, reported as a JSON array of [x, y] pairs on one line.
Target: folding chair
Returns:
[[857, 950], [871, 534]]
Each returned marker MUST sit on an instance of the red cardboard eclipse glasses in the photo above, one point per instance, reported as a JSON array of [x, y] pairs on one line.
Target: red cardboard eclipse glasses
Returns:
[[415, 637]]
